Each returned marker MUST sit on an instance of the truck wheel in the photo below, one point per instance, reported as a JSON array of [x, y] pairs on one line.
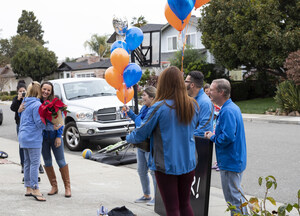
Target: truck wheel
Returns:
[[72, 138]]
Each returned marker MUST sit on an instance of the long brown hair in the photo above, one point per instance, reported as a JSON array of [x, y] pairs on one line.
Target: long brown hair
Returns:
[[171, 86]]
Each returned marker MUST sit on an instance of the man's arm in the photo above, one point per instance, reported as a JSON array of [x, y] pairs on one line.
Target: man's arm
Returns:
[[206, 113]]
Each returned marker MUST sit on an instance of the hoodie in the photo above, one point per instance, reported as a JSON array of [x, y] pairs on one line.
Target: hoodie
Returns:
[[31, 125]]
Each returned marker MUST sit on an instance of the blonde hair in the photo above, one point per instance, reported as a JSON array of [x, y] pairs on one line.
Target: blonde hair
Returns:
[[34, 90]]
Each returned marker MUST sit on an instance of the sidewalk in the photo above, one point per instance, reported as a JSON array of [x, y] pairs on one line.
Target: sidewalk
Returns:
[[93, 184]]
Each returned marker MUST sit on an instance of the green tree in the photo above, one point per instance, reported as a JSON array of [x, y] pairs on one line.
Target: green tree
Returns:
[[139, 21], [98, 45], [258, 33], [35, 62], [28, 25]]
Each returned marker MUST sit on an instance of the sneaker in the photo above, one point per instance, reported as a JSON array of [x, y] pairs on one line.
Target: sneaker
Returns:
[[22, 168], [39, 179], [143, 199], [218, 169], [151, 203], [41, 170], [215, 166], [23, 180]]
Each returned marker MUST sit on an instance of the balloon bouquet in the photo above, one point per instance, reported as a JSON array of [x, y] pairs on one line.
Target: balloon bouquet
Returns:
[[123, 75], [178, 14]]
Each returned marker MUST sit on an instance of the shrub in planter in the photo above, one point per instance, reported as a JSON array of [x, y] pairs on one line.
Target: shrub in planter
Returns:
[[288, 96]]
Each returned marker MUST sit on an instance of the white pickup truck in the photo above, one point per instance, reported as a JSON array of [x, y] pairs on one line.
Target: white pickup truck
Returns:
[[95, 111]]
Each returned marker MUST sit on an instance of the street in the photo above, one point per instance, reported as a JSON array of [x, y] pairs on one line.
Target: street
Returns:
[[273, 149]]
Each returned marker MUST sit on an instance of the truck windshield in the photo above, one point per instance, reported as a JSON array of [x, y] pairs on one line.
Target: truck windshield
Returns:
[[89, 88]]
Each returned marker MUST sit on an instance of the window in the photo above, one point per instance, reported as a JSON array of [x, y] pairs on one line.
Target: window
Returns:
[[191, 40], [84, 75], [172, 43]]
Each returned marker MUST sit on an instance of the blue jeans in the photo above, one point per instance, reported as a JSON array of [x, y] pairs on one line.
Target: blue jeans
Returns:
[[142, 163], [231, 182], [32, 160], [48, 144], [21, 152]]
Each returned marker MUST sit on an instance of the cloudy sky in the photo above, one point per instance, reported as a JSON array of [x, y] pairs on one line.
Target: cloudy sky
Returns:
[[68, 24]]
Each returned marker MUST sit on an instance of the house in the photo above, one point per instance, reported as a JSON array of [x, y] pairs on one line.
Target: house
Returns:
[[9, 80], [85, 68]]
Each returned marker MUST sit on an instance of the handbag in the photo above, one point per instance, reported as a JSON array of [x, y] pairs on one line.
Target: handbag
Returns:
[[145, 145]]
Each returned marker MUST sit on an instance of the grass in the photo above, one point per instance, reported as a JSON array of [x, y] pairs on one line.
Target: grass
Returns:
[[257, 106]]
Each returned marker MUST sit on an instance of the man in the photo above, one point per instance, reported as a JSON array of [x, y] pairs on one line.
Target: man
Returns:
[[194, 84], [230, 142]]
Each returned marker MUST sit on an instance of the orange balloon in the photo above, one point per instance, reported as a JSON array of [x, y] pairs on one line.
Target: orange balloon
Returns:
[[119, 59], [125, 94], [199, 3], [174, 20], [113, 77]]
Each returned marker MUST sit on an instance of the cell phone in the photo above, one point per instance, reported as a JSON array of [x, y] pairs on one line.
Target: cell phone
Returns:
[[23, 94]]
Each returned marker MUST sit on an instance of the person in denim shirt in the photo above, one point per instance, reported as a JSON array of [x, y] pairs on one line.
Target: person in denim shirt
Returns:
[[230, 142], [52, 140], [142, 156]]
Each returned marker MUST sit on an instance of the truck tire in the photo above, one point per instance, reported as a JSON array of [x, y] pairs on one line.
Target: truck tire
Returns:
[[72, 138]]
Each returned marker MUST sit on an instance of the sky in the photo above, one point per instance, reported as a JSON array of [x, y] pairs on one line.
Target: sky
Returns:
[[68, 24]]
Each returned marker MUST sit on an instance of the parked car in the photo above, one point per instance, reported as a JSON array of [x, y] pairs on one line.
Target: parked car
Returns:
[[95, 111], [1, 116]]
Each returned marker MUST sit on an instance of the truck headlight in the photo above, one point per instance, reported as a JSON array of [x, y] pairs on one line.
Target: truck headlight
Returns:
[[84, 116]]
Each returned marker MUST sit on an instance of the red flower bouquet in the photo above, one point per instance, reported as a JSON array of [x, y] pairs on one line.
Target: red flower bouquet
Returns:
[[52, 111]]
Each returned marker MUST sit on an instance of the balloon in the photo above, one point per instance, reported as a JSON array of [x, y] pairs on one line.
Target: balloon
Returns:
[[132, 74], [199, 3], [181, 8], [120, 26], [119, 44], [134, 37], [119, 59], [125, 94], [113, 77], [173, 19]]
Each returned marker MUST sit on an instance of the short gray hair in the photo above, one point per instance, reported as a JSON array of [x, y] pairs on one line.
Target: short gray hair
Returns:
[[224, 86]]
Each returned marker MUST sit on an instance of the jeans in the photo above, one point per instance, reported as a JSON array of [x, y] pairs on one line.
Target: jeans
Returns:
[[32, 159], [231, 182], [21, 152], [48, 144], [142, 163], [175, 191]]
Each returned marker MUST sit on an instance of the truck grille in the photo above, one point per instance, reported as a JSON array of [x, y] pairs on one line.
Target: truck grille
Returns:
[[110, 114]]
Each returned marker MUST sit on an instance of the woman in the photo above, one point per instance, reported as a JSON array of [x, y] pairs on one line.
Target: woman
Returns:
[[17, 100], [52, 140], [142, 156], [30, 139], [170, 124]]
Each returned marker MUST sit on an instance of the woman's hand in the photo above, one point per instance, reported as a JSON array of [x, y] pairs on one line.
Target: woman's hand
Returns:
[[125, 108], [21, 108], [57, 142], [20, 95], [56, 127]]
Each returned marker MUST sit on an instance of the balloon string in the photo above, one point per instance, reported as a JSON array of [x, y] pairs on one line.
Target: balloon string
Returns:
[[184, 38], [124, 93]]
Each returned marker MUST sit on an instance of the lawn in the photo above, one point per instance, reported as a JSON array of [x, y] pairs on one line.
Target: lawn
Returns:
[[257, 106]]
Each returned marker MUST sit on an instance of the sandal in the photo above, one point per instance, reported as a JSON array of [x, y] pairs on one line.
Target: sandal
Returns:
[[39, 197], [3, 154], [28, 194]]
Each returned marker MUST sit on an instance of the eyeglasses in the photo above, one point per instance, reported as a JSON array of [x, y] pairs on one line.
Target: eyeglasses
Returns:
[[187, 81]]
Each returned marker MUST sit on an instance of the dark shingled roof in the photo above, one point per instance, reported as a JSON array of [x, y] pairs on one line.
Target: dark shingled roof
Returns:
[[74, 66]]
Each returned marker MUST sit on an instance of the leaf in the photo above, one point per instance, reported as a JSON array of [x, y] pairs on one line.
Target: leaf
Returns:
[[244, 204], [281, 210], [289, 208], [298, 194], [260, 181], [272, 177], [296, 205], [271, 199], [253, 200], [269, 184]]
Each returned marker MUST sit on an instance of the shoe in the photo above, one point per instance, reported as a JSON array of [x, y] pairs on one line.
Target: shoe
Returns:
[[39, 179], [143, 199], [151, 203], [215, 166], [39, 197], [22, 169], [218, 169], [41, 170], [23, 180]]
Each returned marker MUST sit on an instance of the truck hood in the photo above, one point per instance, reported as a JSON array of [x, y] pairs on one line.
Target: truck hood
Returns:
[[96, 103]]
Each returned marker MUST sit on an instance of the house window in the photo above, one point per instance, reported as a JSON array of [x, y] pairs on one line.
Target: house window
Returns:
[[85, 75], [65, 75], [172, 43], [191, 40]]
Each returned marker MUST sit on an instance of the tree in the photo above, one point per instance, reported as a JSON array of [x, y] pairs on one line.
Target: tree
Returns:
[[257, 34], [98, 45], [35, 62], [9, 48], [30, 26], [138, 22], [292, 64]]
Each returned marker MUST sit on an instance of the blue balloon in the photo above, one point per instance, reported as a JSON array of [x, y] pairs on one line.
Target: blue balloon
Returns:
[[134, 37], [119, 44], [181, 8], [132, 74]]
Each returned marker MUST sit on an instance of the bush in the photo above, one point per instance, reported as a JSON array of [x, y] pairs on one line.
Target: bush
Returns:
[[288, 96], [3, 93], [7, 97], [13, 93], [239, 91]]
